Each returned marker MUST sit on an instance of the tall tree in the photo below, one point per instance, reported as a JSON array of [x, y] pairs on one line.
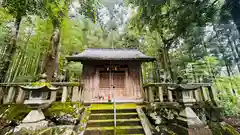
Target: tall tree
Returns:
[[56, 10], [171, 19]]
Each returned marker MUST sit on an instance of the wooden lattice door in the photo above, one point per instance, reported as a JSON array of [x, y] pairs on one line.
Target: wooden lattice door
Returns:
[[115, 78]]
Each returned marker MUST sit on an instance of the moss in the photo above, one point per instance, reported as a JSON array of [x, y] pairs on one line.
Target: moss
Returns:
[[85, 118], [14, 112], [226, 129], [41, 84], [3, 108], [229, 130], [110, 106], [59, 108], [171, 132]]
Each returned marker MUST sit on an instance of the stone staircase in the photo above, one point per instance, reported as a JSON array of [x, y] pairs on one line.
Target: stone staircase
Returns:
[[101, 121]]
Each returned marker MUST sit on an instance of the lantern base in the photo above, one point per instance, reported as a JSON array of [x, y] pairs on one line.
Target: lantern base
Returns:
[[188, 123], [34, 116]]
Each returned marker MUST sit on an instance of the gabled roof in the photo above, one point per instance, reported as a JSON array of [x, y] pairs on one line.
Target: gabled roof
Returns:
[[110, 54]]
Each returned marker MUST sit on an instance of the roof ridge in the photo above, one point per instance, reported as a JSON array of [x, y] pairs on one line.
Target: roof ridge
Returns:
[[112, 49]]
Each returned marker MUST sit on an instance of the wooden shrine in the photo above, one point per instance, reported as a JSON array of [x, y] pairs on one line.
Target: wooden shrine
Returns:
[[109, 71]]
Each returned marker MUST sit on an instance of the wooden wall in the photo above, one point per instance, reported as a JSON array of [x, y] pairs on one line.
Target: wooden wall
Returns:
[[133, 82]]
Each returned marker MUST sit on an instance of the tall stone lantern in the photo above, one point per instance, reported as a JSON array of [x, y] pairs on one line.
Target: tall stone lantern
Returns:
[[188, 123], [37, 101]]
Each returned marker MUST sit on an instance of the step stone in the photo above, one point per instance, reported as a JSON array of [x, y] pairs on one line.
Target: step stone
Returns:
[[131, 113], [112, 111], [110, 122], [110, 130], [104, 116]]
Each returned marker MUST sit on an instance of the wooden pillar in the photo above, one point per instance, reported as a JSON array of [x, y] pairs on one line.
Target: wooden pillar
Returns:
[[150, 95], [140, 82], [64, 94], [126, 82], [21, 96], [170, 98], [75, 95], [11, 94], [160, 93]]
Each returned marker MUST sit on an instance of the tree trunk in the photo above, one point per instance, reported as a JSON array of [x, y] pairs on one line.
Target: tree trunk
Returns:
[[169, 66], [11, 48], [234, 54], [235, 9], [165, 62], [162, 59], [50, 62]]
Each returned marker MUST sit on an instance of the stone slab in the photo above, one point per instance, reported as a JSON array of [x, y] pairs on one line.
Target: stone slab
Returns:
[[190, 131], [144, 121], [188, 118], [31, 126]]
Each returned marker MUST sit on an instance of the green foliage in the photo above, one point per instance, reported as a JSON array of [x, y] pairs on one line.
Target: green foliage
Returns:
[[14, 112], [21, 7], [172, 18], [229, 100], [4, 16], [89, 9], [199, 70]]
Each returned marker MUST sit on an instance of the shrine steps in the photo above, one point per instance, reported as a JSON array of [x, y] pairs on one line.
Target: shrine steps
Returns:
[[101, 120]]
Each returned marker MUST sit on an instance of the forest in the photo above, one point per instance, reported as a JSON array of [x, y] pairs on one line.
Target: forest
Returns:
[[195, 39]]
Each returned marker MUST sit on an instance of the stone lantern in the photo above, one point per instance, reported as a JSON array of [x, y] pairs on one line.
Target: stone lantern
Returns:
[[37, 101], [188, 123]]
